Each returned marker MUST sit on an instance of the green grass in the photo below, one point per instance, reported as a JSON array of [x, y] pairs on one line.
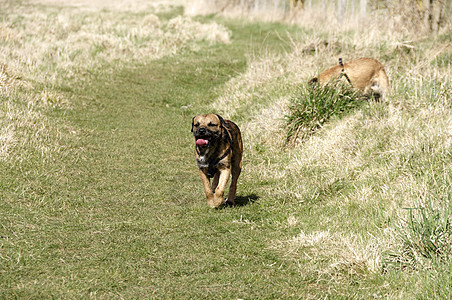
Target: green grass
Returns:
[[426, 235], [314, 106], [120, 211], [100, 196]]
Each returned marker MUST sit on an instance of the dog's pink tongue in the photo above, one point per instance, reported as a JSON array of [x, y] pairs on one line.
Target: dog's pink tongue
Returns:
[[201, 142]]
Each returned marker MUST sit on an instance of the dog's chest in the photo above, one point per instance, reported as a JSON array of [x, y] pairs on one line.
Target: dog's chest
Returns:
[[202, 161], [203, 158]]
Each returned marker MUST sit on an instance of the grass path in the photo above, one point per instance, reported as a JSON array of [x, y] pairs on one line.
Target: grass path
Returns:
[[123, 214], [101, 198]]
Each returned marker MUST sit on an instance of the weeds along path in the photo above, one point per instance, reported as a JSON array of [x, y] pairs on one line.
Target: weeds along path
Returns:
[[122, 212]]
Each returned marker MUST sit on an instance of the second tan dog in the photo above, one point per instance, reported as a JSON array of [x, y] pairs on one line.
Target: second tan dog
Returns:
[[365, 74], [218, 155]]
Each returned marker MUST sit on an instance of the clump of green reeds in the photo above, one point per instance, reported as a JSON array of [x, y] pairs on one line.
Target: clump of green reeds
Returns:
[[312, 106], [426, 238]]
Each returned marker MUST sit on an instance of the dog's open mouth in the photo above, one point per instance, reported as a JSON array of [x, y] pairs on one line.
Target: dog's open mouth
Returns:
[[202, 142]]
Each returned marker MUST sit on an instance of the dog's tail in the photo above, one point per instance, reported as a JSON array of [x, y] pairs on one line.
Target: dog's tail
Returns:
[[381, 85], [384, 80]]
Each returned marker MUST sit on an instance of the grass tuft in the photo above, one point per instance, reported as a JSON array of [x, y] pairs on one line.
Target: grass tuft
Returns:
[[426, 237], [311, 108]]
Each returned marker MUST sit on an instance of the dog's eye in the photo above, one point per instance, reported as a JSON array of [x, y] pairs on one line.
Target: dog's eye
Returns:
[[211, 124], [197, 124]]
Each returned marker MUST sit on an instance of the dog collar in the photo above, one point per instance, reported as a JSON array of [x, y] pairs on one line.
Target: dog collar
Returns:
[[343, 72], [212, 165]]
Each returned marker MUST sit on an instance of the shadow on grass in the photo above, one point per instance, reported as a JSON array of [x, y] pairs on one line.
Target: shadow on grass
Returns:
[[245, 200]]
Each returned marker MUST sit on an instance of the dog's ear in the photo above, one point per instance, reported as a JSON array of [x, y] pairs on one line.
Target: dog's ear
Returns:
[[224, 128], [313, 80], [192, 123], [223, 123]]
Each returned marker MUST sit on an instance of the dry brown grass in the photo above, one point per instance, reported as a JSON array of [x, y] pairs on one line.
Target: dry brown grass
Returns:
[[342, 254], [116, 5], [52, 44], [377, 150], [387, 153]]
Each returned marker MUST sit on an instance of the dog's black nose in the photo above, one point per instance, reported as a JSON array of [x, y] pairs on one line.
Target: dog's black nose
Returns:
[[201, 130]]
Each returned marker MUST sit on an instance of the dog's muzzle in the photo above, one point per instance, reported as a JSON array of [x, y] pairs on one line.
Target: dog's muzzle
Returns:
[[205, 136], [201, 131]]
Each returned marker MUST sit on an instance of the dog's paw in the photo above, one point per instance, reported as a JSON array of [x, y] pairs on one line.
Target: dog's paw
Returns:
[[216, 202], [228, 202]]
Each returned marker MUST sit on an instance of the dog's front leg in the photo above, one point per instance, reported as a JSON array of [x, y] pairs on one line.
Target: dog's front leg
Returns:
[[219, 190], [215, 181], [236, 169], [207, 188]]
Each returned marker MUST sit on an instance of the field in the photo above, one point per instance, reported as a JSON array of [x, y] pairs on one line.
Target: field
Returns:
[[99, 191]]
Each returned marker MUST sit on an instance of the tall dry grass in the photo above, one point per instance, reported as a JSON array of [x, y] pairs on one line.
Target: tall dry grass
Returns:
[[404, 16], [42, 47], [382, 158]]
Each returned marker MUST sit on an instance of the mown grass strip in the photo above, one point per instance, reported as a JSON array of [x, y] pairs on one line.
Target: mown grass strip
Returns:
[[121, 212]]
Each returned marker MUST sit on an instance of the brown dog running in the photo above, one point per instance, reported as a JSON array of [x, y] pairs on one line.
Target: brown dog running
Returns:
[[365, 74], [218, 153]]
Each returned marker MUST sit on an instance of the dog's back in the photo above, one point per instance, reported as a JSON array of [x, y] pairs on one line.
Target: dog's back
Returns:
[[237, 144], [365, 74]]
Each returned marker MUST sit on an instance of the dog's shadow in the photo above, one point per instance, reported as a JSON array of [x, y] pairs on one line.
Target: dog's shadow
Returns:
[[245, 200]]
